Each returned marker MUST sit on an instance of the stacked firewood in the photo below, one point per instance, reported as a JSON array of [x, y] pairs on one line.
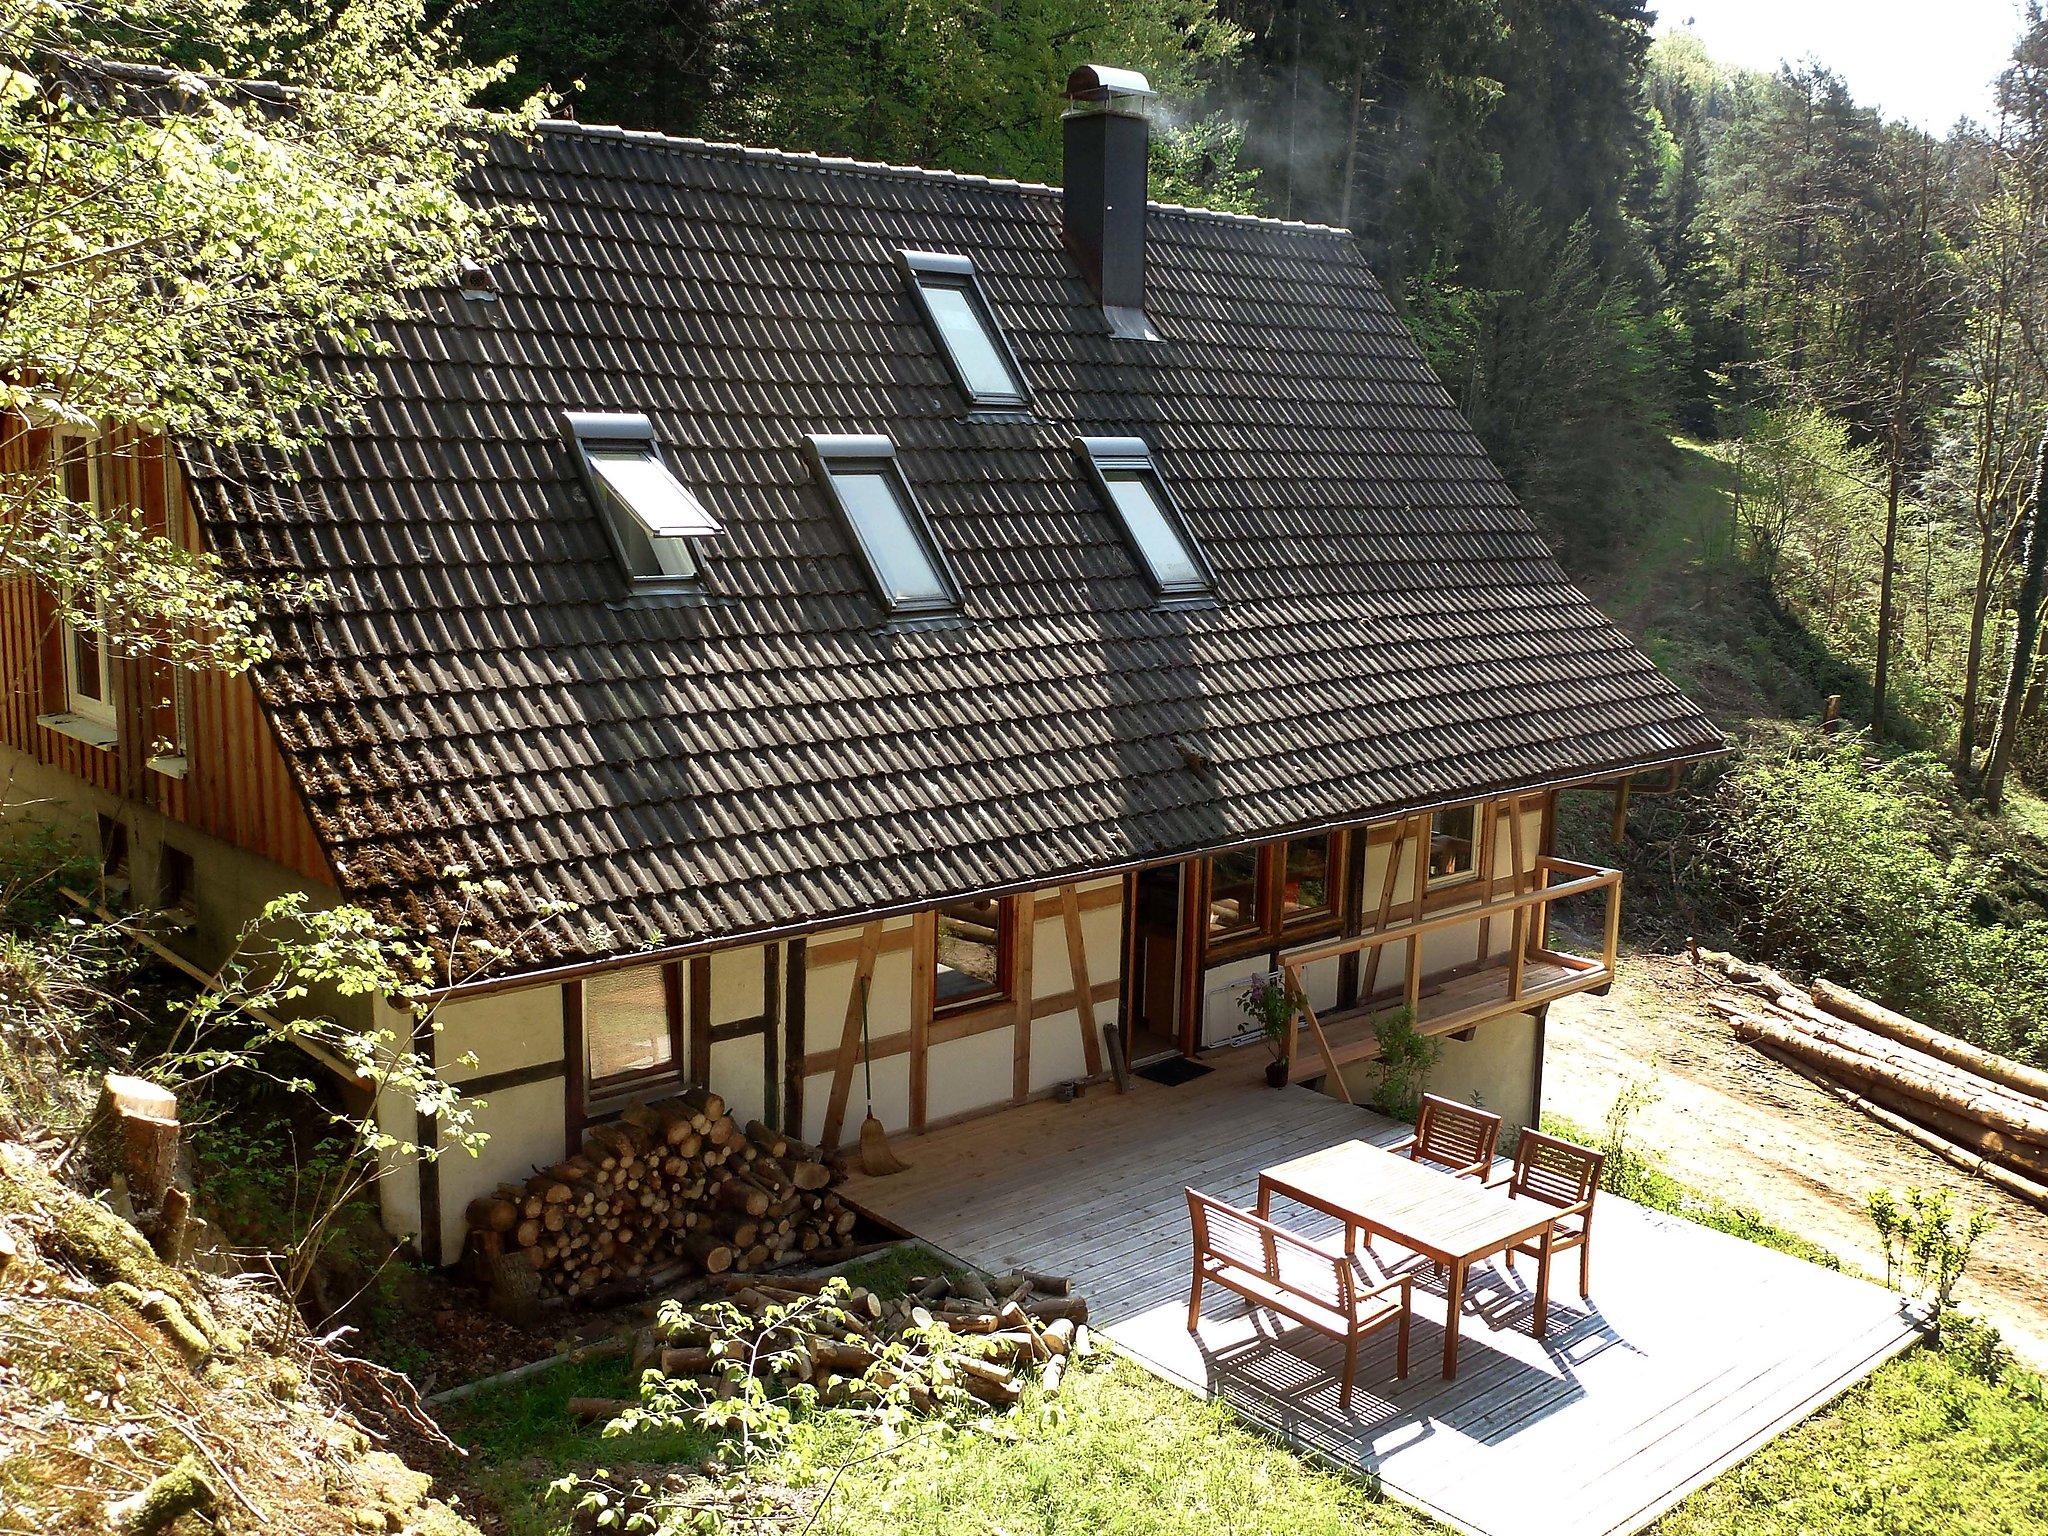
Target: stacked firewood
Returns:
[[945, 1337], [1980, 1111], [674, 1187]]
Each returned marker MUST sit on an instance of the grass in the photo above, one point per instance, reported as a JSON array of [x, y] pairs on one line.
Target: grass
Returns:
[[1946, 1438], [1118, 1453]]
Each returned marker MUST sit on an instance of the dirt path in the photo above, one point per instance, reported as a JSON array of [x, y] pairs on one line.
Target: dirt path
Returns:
[[1729, 1121]]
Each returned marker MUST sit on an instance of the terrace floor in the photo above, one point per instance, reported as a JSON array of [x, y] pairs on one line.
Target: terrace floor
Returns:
[[1695, 1349]]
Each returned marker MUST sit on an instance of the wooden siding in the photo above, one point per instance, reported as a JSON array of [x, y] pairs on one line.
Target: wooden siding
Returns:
[[236, 786]]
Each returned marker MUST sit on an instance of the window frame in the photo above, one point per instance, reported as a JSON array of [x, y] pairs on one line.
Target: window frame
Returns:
[[1432, 883], [591, 433], [864, 452], [1276, 928], [599, 1093], [1106, 456], [937, 269], [1004, 993], [84, 706]]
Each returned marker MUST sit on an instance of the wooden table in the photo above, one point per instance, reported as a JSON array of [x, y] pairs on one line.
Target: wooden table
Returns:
[[1455, 1222]]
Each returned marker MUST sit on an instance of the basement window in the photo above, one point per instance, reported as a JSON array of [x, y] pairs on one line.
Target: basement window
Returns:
[[882, 517], [1151, 524], [975, 347], [650, 516]]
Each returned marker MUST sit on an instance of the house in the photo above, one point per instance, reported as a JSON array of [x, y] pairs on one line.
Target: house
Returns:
[[1030, 612]]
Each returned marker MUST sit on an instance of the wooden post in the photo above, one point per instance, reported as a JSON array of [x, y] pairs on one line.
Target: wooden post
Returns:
[[1077, 966], [849, 1035], [1025, 941], [1613, 938], [1390, 879], [1618, 826], [924, 950]]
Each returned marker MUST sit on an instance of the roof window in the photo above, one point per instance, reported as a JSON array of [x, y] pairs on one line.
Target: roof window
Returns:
[[958, 310], [650, 515], [874, 502], [1152, 526]]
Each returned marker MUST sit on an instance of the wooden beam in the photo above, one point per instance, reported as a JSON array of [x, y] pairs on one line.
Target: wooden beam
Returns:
[[1388, 881], [1024, 935], [1617, 828], [700, 1020], [1077, 967], [771, 1036], [795, 964], [959, 1026], [849, 1034], [924, 960]]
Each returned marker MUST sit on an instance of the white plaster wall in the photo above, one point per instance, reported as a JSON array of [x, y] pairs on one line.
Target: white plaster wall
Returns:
[[525, 1126], [736, 1071], [504, 1030], [963, 1075], [1496, 1069], [1057, 1050]]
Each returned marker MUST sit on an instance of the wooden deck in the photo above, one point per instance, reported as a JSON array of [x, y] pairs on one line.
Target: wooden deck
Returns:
[[1696, 1349]]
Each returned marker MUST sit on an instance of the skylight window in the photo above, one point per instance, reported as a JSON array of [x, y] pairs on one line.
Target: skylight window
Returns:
[[874, 502], [959, 313], [650, 515], [1152, 526]]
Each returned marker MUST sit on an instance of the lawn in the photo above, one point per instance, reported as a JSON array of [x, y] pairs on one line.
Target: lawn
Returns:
[[1932, 1442]]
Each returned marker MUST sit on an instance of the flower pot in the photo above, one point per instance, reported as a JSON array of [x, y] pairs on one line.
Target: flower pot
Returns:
[[1276, 1073]]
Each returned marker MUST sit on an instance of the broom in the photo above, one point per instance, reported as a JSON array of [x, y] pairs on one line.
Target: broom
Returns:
[[877, 1158]]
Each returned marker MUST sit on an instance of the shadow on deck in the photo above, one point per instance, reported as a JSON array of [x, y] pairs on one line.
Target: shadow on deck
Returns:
[[1695, 1349]]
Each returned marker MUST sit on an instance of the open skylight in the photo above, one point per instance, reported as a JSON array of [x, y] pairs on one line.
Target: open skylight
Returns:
[[650, 515], [1151, 525], [875, 504], [975, 347]]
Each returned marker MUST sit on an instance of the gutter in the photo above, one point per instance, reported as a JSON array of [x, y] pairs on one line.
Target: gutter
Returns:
[[572, 970]]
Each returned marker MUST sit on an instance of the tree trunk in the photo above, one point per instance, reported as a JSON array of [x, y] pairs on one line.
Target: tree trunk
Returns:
[[1973, 663], [2026, 635], [1887, 573]]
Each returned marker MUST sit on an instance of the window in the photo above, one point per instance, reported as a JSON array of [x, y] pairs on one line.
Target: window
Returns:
[[1272, 895], [631, 1023], [1234, 888], [972, 958], [1152, 526], [1306, 869], [88, 666], [650, 516], [1453, 845], [176, 879], [875, 504], [973, 343]]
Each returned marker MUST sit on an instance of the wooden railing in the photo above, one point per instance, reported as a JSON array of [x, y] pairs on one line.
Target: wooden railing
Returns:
[[1527, 913]]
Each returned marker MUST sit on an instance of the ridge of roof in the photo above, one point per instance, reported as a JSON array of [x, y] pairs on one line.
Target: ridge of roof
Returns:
[[812, 160]]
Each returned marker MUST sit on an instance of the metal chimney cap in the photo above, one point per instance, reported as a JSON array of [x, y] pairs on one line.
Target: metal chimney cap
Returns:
[[1105, 83]]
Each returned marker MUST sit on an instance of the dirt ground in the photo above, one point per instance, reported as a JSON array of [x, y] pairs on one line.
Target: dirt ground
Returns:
[[1731, 1122]]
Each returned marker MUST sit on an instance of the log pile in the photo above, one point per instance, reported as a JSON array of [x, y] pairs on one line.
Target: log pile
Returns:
[[674, 1187], [946, 1338], [1982, 1112]]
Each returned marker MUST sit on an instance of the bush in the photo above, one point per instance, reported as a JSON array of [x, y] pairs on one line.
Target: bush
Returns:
[[1865, 872]]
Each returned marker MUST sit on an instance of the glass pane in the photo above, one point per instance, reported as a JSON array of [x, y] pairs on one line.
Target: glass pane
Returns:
[[77, 472], [625, 1022], [1453, 844], [87, 679], [1234, 892], [665, 508], [967, 335], [1305, 887], [903, 569], [970, 952], [1165, 551]]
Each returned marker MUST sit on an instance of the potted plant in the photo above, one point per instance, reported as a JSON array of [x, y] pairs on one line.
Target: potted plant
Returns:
[[1271, 1002], [1405, 1060]]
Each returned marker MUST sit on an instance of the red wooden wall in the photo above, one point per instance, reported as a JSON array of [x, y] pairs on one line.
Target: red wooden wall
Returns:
[[236, 786]]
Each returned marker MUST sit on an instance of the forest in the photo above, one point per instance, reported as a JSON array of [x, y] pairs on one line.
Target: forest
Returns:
[[1636, 269]]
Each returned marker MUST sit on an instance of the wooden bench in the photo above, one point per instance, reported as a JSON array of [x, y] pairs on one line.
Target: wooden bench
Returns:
[[1283, 1272]]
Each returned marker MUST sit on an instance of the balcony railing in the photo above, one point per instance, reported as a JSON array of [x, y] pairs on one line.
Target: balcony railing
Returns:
[[1526, 976]]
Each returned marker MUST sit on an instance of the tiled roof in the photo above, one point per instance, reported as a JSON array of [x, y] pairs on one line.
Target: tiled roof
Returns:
[[1390, 631]]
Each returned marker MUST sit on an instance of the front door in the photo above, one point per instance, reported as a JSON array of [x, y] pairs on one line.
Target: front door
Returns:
[[1155, 957]]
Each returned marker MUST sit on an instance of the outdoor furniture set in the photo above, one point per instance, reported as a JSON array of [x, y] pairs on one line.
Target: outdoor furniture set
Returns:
[[1434, 1194]]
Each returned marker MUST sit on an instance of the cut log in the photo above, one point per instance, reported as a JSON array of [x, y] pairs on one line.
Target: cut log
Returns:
[[2003, 1070]]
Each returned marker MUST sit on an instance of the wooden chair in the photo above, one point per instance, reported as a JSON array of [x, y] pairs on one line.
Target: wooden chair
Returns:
[[1286, 1273], [1562, 1174], [1453, 1136]]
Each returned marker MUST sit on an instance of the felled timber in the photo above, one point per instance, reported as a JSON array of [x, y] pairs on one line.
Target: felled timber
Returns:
[[2002, 1070]]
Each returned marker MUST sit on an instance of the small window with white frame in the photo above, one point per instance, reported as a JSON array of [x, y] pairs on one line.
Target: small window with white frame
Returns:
[[958, 310], [651, 517], [1152, 527], [874, 502], [88, 662]]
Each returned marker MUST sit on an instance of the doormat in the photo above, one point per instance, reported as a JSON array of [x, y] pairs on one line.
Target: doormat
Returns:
[[1174, 1071]]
